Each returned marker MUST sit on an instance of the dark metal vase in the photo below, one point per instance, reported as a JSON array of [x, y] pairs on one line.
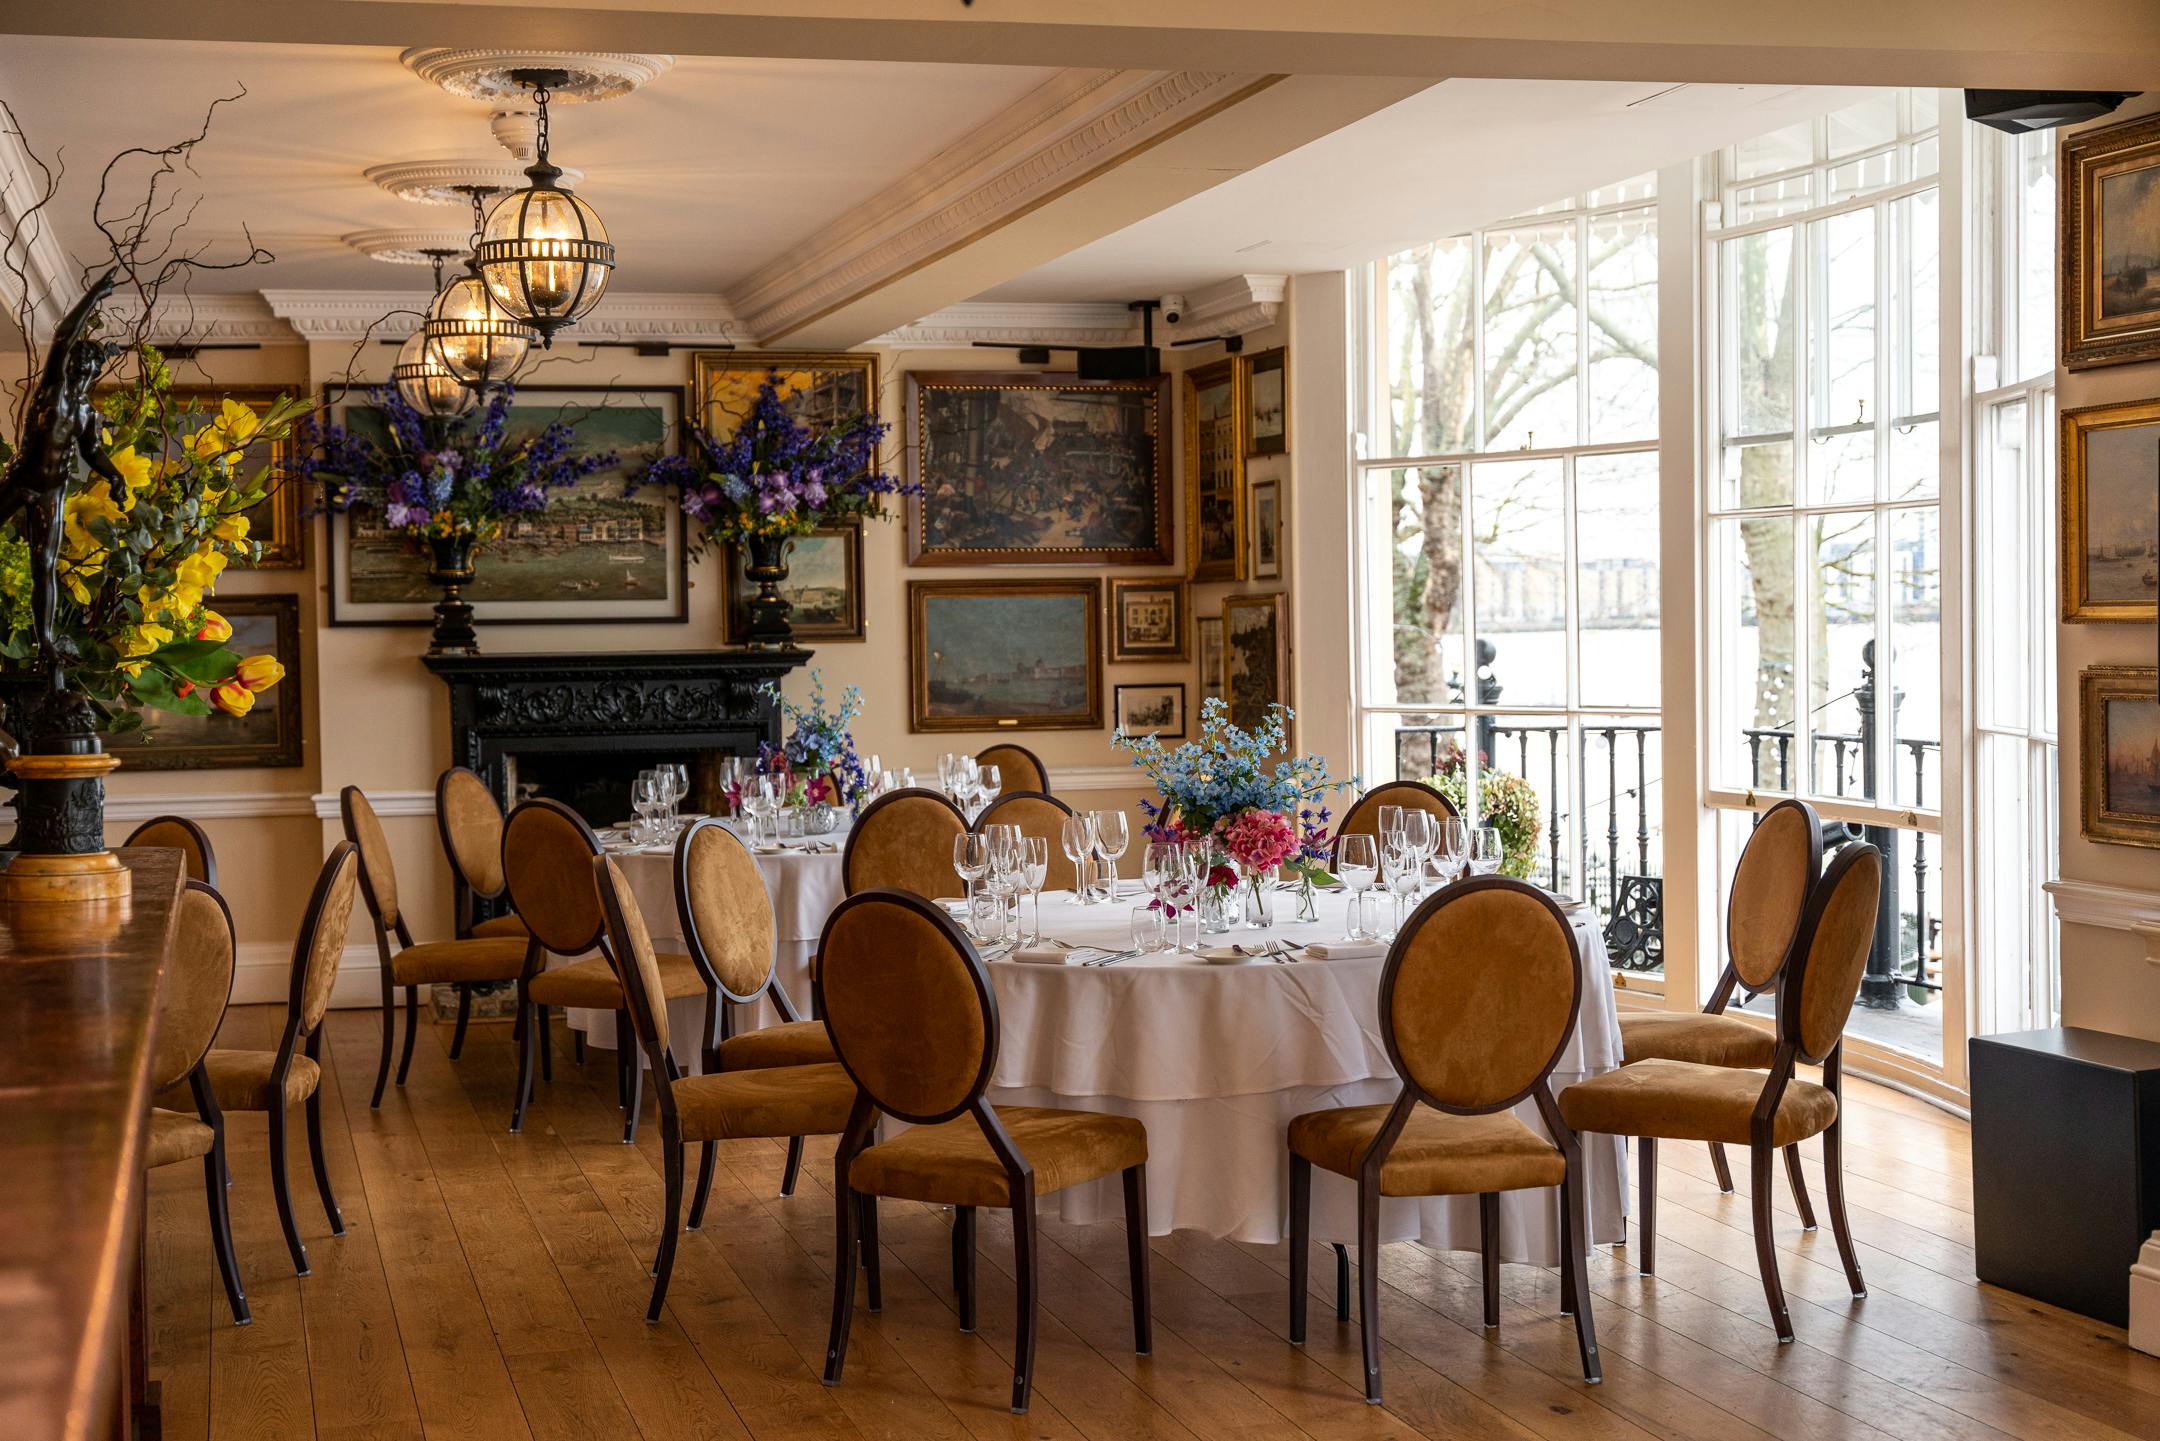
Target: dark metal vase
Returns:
[[451, 567], [767, 565], [61, 813]]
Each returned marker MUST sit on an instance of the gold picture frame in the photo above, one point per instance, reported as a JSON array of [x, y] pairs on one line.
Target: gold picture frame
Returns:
[[831, 553], [269, 735], [1208, 640], [1264, 409], [1214, 402], [982, 657], [2110, 469], [1256, 659], [815, 386], [2119, 730], [2110, 304], [275, 521], [1149, 618]]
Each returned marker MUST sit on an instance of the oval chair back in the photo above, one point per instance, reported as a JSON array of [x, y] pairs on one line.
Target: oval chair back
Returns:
[[644, 993], [1480, 994], [1363, 817], [320, 946], [726, 912], [184, 836], [198, 985], [904, 841], [471, 824], [378, 873], [548, 852], [1776, 874], [1039, 816], [1019, 769], [908, 1006], [1815, 995]]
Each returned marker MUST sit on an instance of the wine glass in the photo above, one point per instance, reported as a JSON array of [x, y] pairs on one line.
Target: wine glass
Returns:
[[1035, 859], [1421, 835], [1076, 837], [971, 857], [1454, 848], [1111, 839], [1390, 825], [1486, 852], [1007, 876], [1357, 861], [1400, 869], [1182, 878], [648, 797], [987, 784]]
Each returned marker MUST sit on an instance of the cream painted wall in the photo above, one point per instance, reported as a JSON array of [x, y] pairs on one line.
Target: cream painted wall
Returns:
[[2107, 984]]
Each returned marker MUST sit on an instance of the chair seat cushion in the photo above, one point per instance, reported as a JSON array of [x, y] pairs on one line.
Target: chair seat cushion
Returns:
[[1705, 1040], [241, 1079], [792, 1043], [449, 961], [175, 1137], [1674, 1100], [1437, 1154], [952, 1164], [590, 984], [779, 1101], [496, 927]]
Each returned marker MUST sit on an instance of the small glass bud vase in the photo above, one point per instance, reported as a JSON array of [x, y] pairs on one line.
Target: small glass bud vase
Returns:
[[1259, 891], [1308, 908]]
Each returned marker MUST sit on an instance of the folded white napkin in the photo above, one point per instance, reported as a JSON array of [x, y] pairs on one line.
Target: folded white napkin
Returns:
[[1039, 955], [1345, 950]]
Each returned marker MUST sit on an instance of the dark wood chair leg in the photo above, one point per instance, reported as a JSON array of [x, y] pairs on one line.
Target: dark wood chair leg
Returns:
[[526, 1045], [794, 1166], [1488, 1217], [1646, 1225], [1575, 1264], [322, 1164], [1567, 1241], [1761, 1161], [707, 1153], [1718, 1164], [1342, 1284], [1833, 1153], [577, 1047], [624, 1063], [1300, 1243], [1024, 1275], [1368, 1287], [389, 1038], [280, 1188], [637, 1102], [670, 1225], [464, 1014], [547, 1047], [1798, 1179], [963, 1264], [1136, 1258], [412, 1028], [843, 1286], [874, 1292], [221, 1230]]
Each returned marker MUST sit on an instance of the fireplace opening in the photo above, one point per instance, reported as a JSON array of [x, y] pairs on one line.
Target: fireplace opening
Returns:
[[596, 783]]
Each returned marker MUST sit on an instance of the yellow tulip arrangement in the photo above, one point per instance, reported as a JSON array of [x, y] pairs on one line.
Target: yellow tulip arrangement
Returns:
[[139, 562]]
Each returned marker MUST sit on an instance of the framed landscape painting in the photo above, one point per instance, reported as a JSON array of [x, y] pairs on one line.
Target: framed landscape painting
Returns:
[[1004, 655], [1256, 673], [824, 587], [275, 520], [599, 553], [2111, 512], [1267, 529], [1153, 709], [268, 735], [1037, 469], [1214, 472], [814, 388], [1147, 619], [2108, 203], [2119, 718], [1267, 403]]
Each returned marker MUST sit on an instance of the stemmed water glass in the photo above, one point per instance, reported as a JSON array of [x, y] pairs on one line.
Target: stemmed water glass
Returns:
[[971, 857], [1035, 863], [1422, 835], [1008, 877], [1111, 839], [1357, 861], [1454, 848], [647, 797], [1400, 869], [1183, 876], [1486, 852], [987, 784], [1076, 837]]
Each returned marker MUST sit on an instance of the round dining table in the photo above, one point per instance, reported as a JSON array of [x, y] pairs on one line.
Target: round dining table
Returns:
[[1215, 1058]]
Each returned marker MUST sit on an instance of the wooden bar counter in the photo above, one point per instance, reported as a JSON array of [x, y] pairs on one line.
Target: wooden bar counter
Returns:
[[79, 988]]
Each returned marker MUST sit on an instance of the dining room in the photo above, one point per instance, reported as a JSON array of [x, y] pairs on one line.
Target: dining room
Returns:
[[956, 719]]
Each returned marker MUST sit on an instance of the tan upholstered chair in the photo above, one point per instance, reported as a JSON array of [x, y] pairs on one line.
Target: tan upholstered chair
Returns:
[[915, 1023], [1777, 871], [1765, 1110], [1038, 816], [183, 835], [472, 830], [775, 1101], [903, 841], [198, 987], [1019, 769], [548, 853], [432, 963], [1477, 1000], [1363, 817], [273, 1082]]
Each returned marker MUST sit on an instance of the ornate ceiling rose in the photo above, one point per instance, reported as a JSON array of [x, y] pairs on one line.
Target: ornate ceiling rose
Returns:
[[451, 182], [407, 247], [487, 75]]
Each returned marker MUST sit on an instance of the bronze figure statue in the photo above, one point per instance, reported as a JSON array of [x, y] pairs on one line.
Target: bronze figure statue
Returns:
[[62, 427]]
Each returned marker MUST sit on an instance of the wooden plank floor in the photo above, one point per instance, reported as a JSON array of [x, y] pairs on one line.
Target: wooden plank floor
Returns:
[[494, 1286]]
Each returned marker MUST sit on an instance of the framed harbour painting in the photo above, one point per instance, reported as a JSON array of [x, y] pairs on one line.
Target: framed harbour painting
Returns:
[[824, 587], [2108, 210], [1147, 619], [2119, 720], [1267, 529], [813, 387], [1152, 709], [1256, 657], [599, 554], [2111, 512], [1214, 472], [1209, 629], [1266, 410], [1037, 469], [268, 735], [1005, 655]]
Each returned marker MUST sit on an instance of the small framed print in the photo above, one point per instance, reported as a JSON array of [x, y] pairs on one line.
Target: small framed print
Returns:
[[1152, 710], [1256, 674], [1210, 632], [2119, 720], [1147, 619], [2111, 512], [1267, 529], [1214, 473], [1267, 403], [823, 588]]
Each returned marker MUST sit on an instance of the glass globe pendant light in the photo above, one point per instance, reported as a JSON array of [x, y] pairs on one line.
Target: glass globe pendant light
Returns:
[[544, 255], [427, 384], [467, 330]]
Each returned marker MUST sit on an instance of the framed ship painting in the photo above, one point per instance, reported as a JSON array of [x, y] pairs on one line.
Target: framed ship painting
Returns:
[[1005, 655], [2108, 211], [823, 588], [599, 554], [1037, 469], [268, 735], [2111, 512], [2119, 718], [1214, 473]]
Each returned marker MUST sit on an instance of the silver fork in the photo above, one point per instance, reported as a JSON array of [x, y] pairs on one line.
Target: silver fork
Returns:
[[1112, 959]]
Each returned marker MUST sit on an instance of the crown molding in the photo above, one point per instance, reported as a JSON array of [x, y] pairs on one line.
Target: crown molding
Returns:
[[2115, 908], [683, 318], [48, 275], [348, 314], [1232, 307], [1073, 126], [203, 320], [1019, 323]]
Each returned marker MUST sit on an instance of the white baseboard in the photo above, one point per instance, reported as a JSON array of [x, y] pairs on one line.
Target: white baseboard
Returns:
[[262, 975]]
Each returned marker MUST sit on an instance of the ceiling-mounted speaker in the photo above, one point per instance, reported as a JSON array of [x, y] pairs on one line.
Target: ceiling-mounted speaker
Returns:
[[2019, 111]]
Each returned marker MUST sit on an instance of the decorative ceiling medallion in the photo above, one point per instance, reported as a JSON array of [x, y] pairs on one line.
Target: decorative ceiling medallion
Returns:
[[487, 75], [448, 182], [407, 247]]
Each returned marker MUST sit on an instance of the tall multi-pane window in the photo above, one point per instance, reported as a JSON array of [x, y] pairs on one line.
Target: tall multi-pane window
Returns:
[[1512, 638]]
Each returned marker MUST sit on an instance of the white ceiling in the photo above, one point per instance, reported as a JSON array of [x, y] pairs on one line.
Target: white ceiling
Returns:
[[1462, 154], [708, 172]]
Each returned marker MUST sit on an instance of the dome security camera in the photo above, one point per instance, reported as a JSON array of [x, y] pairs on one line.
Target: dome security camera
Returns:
[[1173, 308]]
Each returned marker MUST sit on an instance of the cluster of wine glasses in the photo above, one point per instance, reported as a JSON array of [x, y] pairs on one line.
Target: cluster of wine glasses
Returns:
[[1000, 866], [969, 784], [764, 801], [1175, 873], [655, 795], [1093, 841], [1409, 842]]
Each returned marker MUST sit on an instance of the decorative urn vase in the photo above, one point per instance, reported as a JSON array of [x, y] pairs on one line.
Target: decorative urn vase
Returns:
[[766, 563], [58, 850], [450, 566]]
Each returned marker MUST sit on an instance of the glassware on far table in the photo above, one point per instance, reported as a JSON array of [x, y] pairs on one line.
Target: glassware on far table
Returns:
[[1421, 832], [1076, 837], [1454, 848], [1389, 823], [1182, 881], [988, 783], [1111, 839], [1007, 878], [647, 797], [971, 857], [1035, 852], [1487, 854], [1357, 862], [1400, 869]]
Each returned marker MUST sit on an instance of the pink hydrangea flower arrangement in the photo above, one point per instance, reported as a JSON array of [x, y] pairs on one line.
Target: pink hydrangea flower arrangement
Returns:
[[1259, 840]]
